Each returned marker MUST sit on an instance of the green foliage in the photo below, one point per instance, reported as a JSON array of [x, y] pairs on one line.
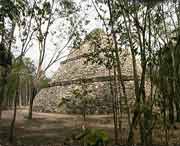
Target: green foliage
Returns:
[[20, 70], [12, 9], [79, 100], [44, 83], [47, 8], [94, 137], [94, 34], [5, 57], [68, 7], [11, 85], [44, 11], [101, 51]]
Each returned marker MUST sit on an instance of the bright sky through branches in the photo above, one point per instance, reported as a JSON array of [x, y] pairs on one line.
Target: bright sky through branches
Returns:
[[61, 40]]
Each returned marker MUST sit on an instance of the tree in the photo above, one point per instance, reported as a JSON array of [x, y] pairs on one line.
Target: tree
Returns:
[[131, 22], [80, 100], [8, 10], [20, 71], [45, 15]]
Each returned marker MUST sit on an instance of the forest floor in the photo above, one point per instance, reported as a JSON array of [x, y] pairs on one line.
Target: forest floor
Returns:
[[50, 128]]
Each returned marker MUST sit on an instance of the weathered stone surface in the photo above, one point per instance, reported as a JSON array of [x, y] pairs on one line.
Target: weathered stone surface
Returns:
[[74, 68]]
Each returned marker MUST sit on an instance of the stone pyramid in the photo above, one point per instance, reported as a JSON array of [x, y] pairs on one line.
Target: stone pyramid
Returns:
[[74, 68]]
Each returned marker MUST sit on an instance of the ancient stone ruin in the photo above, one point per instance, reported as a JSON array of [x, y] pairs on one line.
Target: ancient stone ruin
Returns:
[[70, 75]]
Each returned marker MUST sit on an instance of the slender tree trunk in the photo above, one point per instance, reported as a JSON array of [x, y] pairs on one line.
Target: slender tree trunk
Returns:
[[2, 92], [29, 93], [171, 108], [115, 90], [12, 127], [177, 96], [34, 93], [150, 103], [0, 112], [177, 111], [7, 67], [26, 94], [20, 97], [30, 108], [84, 116], [114, 111], [165, 122], [1, 101], [171, 112], [119, 70], [136, 114]]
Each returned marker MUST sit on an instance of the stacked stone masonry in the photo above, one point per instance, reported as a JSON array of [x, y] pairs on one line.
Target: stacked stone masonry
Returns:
[[49, 99]]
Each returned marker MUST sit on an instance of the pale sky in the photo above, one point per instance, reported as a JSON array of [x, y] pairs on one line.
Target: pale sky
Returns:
[[60, 41], [33, 52]]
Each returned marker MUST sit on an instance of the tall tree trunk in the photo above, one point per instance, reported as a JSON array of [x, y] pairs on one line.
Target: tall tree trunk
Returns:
[[29, 93], [115, 90], [171, 102], [119, 70], [12, 127], [136, 114], [114, 111], [177, 111], [1, 100], [34, 93], [6, 68], [26, 94], [2, 91], [177, 95], [20, 97], [30, 108]]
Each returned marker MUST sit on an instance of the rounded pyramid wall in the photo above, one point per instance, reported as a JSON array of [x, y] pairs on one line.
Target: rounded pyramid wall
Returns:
[[74, 67]]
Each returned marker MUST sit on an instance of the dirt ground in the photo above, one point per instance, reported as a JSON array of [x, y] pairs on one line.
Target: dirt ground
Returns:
[[50, 128]]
